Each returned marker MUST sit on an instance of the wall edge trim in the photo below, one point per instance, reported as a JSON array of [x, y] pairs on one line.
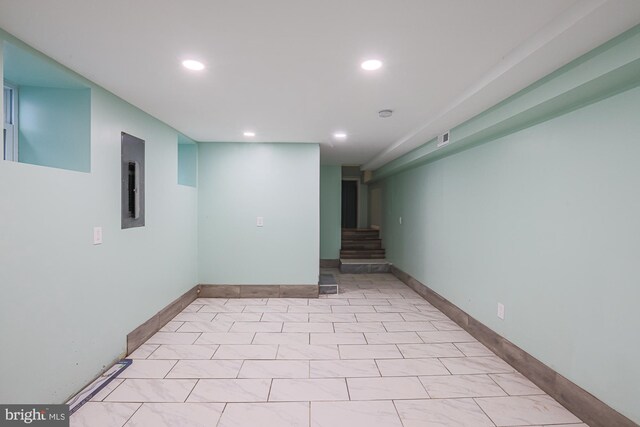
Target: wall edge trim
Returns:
[[142, 333], [577, 400]]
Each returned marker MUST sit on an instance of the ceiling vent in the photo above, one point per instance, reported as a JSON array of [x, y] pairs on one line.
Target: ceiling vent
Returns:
[[444, 139]]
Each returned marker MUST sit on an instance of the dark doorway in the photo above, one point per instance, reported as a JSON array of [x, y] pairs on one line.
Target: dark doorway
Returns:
[[349, 204]]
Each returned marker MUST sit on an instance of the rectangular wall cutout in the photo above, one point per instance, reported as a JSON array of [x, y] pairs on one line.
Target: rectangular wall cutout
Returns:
[[132, 179]]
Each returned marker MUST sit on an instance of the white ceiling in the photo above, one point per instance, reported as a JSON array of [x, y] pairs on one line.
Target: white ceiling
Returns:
[[289, 69]]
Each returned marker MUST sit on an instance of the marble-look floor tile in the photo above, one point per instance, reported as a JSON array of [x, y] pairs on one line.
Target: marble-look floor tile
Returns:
[[455, 386], [246, 301], [151, 390], [411, 367], [256, 327], [350, 309], [171, 326], [411, 351], [339, 317], [474, 349], [221, 309], [354, 414], [316, 389], [205, 369], [395, 309], [446, 336], [143, 351], [307, 327], [173, 338], [213, 326], [192, 308], [101, 414], [386, 388], [194, 317], [181, 351], [378, 317], [446, 325], [424, 316], [476, 365], [325, 301], [281, 338], [228, 390], [265, 309], [343, 368], [307, 352], [272, 414], [516, 384], [525, 410], [288, 301], [309, 309], [274, 369], [441, 413], [369, 301], [253, 351], [147, 369], [177, 414], [371, 351], [392, 338], [359, 327], [225, 338], [238, 317], [106, 390], [409, 326], [338, 338], [285, 317]]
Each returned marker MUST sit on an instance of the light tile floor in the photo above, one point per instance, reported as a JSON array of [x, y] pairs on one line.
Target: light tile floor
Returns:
[[376, 354]]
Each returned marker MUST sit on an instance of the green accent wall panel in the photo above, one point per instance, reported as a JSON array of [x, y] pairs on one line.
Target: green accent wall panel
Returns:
[[330, 211], [546, 221]]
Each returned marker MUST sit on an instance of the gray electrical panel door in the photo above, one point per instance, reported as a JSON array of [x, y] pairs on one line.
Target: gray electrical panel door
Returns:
[[132, 177]]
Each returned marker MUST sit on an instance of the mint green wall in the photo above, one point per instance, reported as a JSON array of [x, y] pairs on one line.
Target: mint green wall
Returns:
[[546, 221], [188, 164], [66, 304], [330, 211], [238, 183], [55, 127]]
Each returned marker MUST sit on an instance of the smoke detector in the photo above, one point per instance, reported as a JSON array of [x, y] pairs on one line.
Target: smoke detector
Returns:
[[383, 114]]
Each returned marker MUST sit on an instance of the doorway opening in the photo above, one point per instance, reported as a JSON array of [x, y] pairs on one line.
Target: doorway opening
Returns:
[[349, 203]]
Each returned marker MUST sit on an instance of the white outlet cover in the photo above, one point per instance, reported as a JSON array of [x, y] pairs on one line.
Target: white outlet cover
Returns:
[[260, 221], [501, 311], [97, 235]]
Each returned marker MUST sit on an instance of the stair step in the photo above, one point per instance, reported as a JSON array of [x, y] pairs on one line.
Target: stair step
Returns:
[[360, 236], [359, 254], [362, 244], [355, 266]]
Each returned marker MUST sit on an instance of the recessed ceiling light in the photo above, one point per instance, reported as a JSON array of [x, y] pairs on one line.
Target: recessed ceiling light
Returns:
[[249, 134], [192, 64], [371, 64], [339, 135]]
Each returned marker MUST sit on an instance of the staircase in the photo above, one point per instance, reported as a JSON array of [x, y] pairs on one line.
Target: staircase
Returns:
[[361, 243], [362, 251]]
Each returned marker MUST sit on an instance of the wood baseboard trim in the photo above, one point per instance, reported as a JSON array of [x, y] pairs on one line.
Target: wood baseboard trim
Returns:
[[329, 263], [258, 291], [580, 402], [142, 333]]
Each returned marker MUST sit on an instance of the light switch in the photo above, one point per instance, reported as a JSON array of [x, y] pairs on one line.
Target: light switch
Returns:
[[260, 221], [97, 235]]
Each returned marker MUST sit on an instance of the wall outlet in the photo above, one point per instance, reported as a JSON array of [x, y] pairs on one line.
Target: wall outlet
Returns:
[[97, 235], [501, 311], [260, 221], [400, 220]]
